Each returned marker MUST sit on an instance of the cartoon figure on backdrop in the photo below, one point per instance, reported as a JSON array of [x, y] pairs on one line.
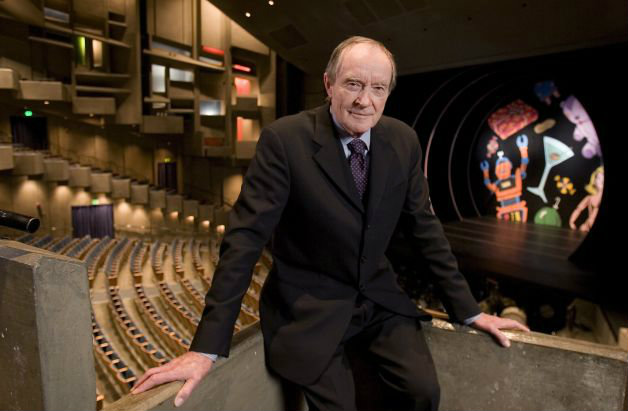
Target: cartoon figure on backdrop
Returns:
[[549, 215], [591, 202], [574, 111], [508, 187], [492, 147], [545, 90]]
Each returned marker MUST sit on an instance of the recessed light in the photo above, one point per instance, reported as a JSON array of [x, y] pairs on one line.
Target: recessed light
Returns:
[[247, 14], [271, 2], [46, 102]]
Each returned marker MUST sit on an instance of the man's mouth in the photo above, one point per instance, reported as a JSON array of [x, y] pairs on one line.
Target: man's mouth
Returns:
[[357, 114]]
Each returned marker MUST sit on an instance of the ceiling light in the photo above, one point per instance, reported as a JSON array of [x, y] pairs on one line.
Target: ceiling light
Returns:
[[271, 2], [247, 14], [46, 102]]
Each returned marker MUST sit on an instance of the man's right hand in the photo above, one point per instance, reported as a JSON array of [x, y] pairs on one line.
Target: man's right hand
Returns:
[[191, 367]]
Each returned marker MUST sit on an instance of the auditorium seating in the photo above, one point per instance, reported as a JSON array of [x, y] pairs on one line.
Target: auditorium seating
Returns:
[[132, 332], [110, 361], [148, 299], [168, 335], [78, 248], [114, 259], [59, 245], [96, 255], [43, 241]]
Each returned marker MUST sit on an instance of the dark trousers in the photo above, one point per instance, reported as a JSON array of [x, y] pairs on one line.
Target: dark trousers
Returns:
[[393, 350]]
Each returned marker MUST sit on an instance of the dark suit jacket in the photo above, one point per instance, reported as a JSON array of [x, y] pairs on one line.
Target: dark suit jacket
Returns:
[[327, 246]]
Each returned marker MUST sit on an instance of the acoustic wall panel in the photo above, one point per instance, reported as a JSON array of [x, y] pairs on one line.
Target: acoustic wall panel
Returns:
[[190, 208], [28, 163], [56, 169], [6, 157], [174, 202], [80, 176], [121, 188], [157, 198], [101, 183], [139, 193]]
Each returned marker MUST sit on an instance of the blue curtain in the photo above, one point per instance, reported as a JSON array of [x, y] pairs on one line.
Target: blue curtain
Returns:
[[167, 175], [95, 221], [80, 221]]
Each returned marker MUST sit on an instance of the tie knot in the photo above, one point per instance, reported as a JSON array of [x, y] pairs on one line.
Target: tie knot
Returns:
[[357, 146]]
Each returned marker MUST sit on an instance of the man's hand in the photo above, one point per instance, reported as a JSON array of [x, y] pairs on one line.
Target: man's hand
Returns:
[[191, 367], [492, 324]]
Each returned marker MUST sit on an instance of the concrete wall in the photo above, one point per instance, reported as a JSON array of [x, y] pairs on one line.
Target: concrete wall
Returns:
[[538, 372], [121, 151], [46, 360]]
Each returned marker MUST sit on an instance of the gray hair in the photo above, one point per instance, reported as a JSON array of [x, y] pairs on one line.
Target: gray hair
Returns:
[[334, 61]]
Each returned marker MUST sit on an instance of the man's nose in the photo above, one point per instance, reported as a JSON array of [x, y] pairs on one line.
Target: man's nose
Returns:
[[363, 98]]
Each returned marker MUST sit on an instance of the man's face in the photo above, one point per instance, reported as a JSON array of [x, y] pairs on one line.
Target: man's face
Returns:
[[360, 90]]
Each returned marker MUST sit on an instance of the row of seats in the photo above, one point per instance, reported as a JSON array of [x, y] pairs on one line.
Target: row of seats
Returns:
[[43, 242], [60, 245], [177, 256], [114, 260], [132, 332], [160, 325], [110, 360], [95, 256], [80, 247], [137, 260], [157, 252]]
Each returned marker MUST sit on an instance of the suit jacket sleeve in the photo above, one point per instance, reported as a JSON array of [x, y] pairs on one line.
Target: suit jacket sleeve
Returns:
[[426, 233], [251, 222]]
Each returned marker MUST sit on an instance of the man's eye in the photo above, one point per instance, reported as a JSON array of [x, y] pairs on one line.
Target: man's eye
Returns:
[[379, 90], [352, 85]]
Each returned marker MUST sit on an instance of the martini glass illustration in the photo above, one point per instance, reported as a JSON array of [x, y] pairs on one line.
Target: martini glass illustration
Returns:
[[555, 153]]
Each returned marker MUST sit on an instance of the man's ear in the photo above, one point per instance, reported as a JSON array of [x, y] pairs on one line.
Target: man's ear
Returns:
[[327, 83]]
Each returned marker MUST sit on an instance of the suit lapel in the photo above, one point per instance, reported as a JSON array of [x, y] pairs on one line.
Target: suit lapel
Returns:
[[330, 157], [382, 158]]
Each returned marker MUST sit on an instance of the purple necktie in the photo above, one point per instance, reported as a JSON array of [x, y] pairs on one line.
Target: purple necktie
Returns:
[[359, 164]]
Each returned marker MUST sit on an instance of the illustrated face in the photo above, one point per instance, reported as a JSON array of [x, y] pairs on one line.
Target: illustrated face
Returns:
[[599, 180], [361, 87], [503, 170]]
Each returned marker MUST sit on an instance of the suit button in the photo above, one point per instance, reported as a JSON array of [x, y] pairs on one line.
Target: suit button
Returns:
[[368, 227], [362, 287], [363, 259]]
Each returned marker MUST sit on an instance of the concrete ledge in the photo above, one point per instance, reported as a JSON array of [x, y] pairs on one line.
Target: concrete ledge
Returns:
[[6, 157], [538, 372], [43, 90], [46, 360], [9, 79]]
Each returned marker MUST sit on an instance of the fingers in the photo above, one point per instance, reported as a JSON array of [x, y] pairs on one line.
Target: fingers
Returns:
[[185, 391], [147, 375], [512, 325], [499, 336], [156, 378]]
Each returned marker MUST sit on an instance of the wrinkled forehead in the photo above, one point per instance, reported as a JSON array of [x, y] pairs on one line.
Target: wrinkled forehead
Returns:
[[365, 60]]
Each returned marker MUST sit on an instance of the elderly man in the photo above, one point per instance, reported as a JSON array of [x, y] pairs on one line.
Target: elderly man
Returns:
[[327, 187]]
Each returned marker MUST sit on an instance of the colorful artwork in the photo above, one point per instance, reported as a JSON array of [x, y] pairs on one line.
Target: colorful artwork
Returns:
[[545, 90], [564, 185], [591, 203], [544, 126], [561, 156], [511, 118], [492, 147], [573, 110], [549, 215], [555, 153], [508, 186]]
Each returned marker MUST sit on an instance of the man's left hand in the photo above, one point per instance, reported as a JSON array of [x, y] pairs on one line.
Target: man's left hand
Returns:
[[492, 325]]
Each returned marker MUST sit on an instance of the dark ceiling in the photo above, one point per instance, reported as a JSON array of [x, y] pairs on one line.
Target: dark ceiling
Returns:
[[426, 35]]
